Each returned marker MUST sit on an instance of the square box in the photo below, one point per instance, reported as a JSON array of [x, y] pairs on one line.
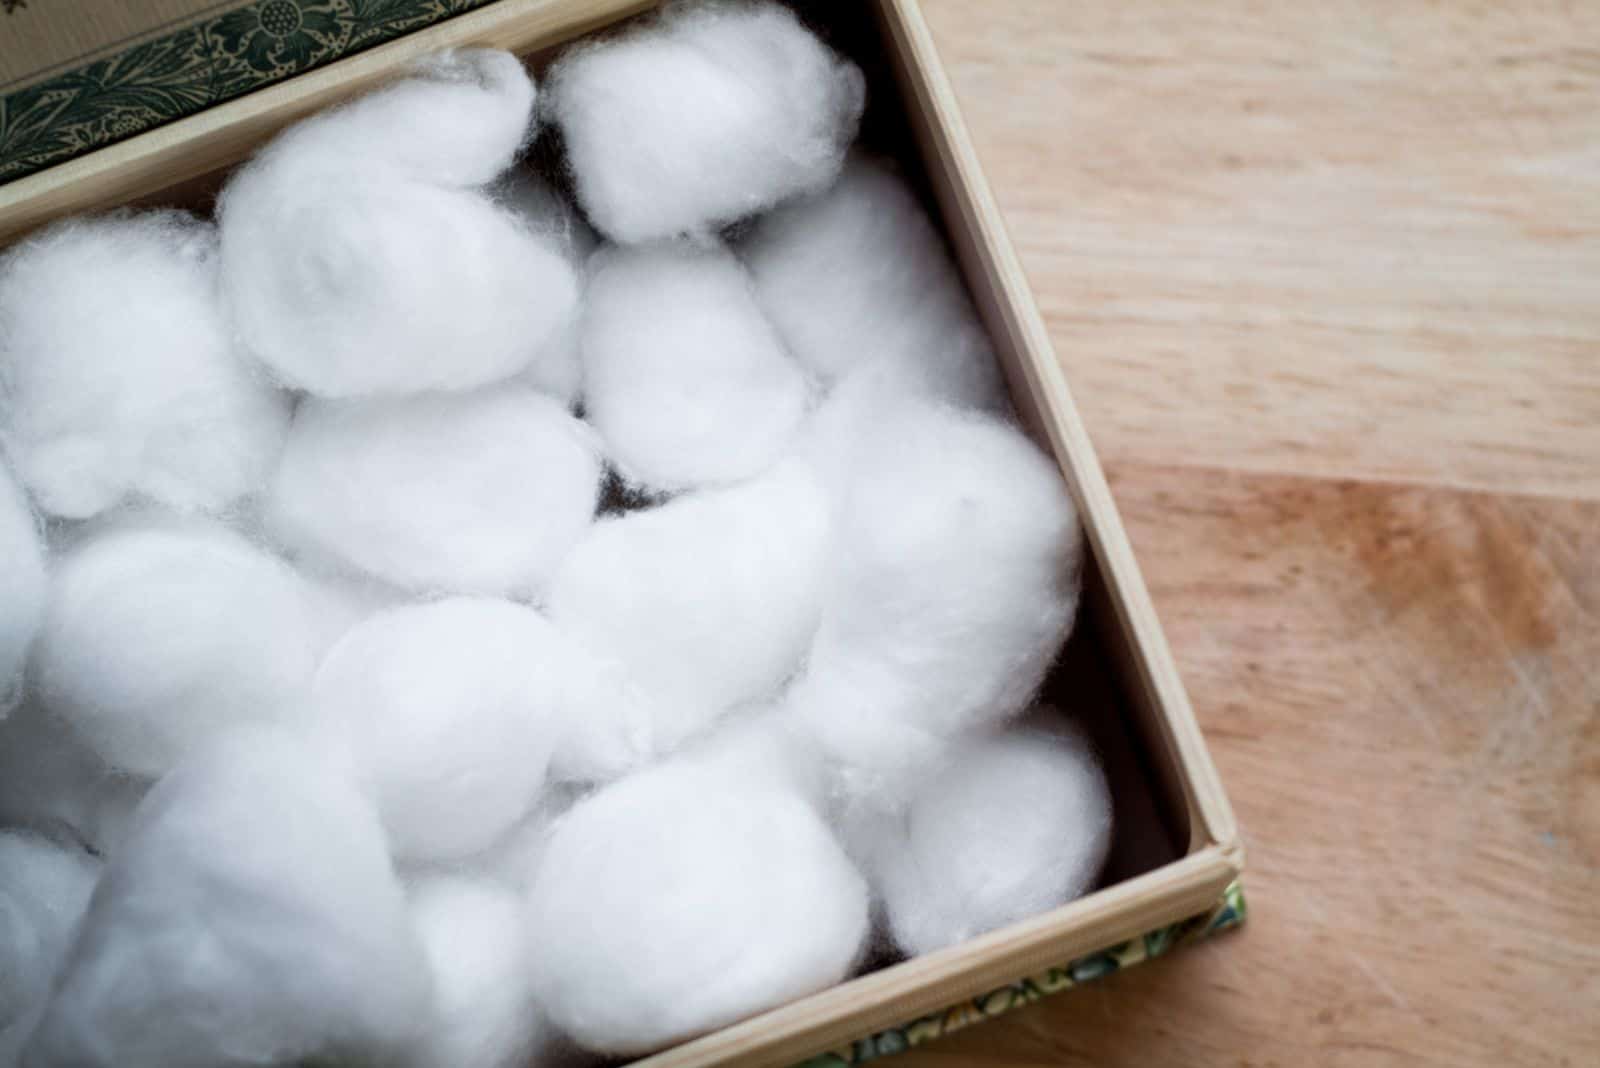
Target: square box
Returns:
[[1173, 872]]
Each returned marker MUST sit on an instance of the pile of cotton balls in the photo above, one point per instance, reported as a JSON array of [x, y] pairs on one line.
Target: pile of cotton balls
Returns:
[[359, 699]]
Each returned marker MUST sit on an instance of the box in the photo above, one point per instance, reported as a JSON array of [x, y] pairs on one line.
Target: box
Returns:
[[1172, 876]]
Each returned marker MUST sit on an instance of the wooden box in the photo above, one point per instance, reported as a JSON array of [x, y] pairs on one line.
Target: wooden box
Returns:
[[1173, 871]]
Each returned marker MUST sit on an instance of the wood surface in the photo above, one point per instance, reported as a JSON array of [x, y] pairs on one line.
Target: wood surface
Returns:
[[1325, 279]]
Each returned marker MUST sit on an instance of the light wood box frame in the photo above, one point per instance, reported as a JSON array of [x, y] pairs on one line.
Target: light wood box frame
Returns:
[[169, 157]]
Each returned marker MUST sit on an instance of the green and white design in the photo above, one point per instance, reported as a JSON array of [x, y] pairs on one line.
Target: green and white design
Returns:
[[194, 67]]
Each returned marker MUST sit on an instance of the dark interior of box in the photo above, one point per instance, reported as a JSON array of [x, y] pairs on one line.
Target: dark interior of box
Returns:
[[1088, 684]]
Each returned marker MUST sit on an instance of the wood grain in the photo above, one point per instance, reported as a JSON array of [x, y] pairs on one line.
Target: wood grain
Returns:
[[1326, 282]]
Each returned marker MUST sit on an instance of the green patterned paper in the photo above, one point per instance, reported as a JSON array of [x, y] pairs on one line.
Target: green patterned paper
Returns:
[[1230, 912], [194, 67]]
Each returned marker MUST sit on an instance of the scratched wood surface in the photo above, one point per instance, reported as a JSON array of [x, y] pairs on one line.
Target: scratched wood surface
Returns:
[[1326, 280]]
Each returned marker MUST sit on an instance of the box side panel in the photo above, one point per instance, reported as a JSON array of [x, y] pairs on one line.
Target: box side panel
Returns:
[[928, 984], [1226, 915], [1045, 403]]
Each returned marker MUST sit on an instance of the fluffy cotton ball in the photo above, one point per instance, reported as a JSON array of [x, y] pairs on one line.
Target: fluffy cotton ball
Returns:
[[360, 255], [480, 492], [1012, 827], [44, 888], [858, 277], [706, 602], [955, 583], [161, 635], [448, 713], [459, 121], [558, 368], [676, 901], [484, 1014], [52, 783], [22, 586], [709, 113], [118, 376], [684, 378], [252, 917]]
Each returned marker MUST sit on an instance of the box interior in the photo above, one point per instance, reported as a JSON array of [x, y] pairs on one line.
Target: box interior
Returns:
[[1092, 683], [1101, 680]]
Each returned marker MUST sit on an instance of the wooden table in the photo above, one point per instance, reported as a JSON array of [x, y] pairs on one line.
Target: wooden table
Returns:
[[1326, 281]]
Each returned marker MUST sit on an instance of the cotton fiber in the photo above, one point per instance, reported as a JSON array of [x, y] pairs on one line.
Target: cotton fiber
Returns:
[[252, 917], [361, 253], [22, 586], [557, 369], [707, 602], [675, 901], [685, 379], [709, 113], [448, 713], [161, 634], [955, 583], [968, 858], [484, 1015], [52, 783], [481, 492], [859, 277], [118, 376], [44, 888]]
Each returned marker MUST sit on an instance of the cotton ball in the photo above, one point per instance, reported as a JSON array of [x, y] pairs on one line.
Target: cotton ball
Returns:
[[707, 114], [458, 121], [966, 858], [52, 783], [118, 377], [484, 1014], [160, 635], [955, 583], [858, 277], [676, 901], [361, 256], [558, 368], [448, 713], [685, 379], [706, 602], [44, 888], [22, 586], [252, 917], [479, 492]]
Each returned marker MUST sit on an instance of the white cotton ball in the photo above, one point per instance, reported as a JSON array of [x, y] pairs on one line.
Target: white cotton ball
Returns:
[[252, 917], [14, 1035], [484, 1014], [361, 256], [52, 783], [967, 858], [858, 277], [44, 888], [705, 603], [557, 370], [22, 586], [447, 713], [160, 635], [459, 120], [684, 378], [677, 901], [480, 492], [955, 583], [707, 114], [118, 375]]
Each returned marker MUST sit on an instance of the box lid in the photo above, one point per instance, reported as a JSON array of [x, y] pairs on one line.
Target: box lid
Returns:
[[77, 75]]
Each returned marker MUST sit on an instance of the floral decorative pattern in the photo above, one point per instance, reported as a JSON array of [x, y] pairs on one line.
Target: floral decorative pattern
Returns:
[[1230, 912], [208, 62]]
